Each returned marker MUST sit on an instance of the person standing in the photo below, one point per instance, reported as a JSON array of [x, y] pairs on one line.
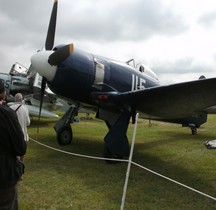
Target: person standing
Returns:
[[12, 144], [22, 114]]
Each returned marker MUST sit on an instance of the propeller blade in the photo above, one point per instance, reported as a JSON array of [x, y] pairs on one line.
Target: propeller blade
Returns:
[[48, 46], [60, 55], [52, 26], [43, 86]]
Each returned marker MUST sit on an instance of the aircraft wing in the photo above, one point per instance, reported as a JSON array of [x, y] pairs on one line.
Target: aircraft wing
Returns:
[[177, 100], [211, 110], [34, 111]]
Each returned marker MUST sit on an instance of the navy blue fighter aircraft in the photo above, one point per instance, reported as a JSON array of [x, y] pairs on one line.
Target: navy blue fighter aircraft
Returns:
[[117, 90]]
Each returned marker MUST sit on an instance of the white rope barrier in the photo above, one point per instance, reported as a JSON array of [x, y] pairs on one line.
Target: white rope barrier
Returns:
[[78, 155], [129, 164], [128, 161], [172, 180]]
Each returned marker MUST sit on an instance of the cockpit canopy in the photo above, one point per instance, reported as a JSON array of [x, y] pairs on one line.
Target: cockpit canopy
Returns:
[[145, 69], [18, 70]]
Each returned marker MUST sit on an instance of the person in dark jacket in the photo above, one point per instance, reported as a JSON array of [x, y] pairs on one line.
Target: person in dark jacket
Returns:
[[12, 144]]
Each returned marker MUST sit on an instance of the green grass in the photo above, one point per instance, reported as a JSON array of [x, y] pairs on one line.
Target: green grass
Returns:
[[56, 181]]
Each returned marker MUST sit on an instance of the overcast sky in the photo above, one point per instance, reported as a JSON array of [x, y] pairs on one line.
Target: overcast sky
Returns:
[[176, 38]]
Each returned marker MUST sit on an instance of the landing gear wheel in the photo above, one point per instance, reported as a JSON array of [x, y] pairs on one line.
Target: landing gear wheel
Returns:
[[193, 131], [64, 135]]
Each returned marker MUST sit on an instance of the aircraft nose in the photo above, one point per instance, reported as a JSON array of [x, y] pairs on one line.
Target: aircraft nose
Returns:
[[40, 63]]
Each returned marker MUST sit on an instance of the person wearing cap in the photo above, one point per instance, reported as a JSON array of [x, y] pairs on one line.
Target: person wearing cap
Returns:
[[12, 144], [22, 114]]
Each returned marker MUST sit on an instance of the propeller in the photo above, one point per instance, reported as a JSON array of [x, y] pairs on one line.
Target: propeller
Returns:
[[45, 62], [48, 46], [52, 27]]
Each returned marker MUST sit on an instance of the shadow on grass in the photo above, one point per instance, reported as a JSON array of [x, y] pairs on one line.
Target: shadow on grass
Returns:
[[180, 157], [93, 184], [90, 170]]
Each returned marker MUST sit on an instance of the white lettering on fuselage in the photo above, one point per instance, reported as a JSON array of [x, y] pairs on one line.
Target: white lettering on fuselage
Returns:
[[138, 83]]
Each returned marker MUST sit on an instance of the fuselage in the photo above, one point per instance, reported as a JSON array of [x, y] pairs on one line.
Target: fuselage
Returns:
[[83, 73], [14, 84]]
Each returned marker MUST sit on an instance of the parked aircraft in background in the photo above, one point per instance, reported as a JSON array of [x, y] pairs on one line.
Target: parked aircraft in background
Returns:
[[116, 89], [27, 82]]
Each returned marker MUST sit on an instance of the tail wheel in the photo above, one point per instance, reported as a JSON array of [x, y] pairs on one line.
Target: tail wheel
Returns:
[[65, 135]]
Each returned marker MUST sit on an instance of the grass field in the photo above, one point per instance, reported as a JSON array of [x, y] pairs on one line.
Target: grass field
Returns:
[[58, 181]]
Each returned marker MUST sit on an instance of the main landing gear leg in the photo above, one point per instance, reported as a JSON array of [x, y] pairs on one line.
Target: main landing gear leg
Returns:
[[63, 128], [193, 129], [116, 141]]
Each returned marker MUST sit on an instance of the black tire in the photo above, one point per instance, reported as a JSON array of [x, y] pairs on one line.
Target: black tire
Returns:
[[65, 136], [194, 131]]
